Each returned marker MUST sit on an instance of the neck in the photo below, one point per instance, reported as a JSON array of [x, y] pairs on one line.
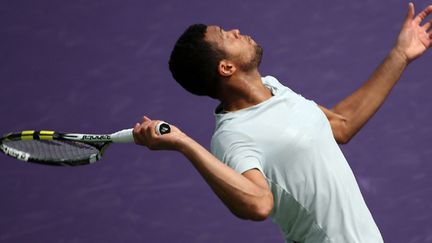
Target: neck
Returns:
[[243, 90]]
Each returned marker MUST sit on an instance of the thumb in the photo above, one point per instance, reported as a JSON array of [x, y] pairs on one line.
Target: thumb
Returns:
[[410, 15], [146, 119]]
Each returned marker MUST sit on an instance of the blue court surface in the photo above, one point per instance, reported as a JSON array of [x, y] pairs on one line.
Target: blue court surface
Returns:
[[98, 66]]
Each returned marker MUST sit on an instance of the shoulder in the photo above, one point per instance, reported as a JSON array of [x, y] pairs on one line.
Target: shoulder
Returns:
[[275, 85], [272, 81]]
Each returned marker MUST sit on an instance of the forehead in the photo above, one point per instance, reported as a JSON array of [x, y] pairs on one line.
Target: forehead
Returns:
[[213, 33]]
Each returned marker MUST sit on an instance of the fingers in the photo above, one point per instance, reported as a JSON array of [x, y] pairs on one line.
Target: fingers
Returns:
[[410, 14], [147, 125], [136, 133], [422, 16], [140, 127], [141, 131], [145, 134], [427, 26], [136, 127]]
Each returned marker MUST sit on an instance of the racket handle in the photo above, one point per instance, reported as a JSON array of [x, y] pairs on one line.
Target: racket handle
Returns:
[[126, 136], [163, 128], [123, 136]]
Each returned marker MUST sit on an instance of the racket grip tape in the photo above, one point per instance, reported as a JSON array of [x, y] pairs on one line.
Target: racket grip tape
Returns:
[[123, 136]]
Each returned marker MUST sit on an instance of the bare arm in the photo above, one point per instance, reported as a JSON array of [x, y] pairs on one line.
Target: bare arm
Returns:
[[247, 195], [351, 114]]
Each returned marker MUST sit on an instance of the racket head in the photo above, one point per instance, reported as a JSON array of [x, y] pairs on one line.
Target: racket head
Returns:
[[50, 148]]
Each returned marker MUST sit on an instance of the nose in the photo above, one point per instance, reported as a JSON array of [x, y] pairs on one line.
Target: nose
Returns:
[[236, 32]]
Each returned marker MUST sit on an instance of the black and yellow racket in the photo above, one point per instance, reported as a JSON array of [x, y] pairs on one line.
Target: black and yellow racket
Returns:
[[67, 149]]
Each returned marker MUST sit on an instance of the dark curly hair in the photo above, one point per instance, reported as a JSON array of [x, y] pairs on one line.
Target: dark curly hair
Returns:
[[194, 61]]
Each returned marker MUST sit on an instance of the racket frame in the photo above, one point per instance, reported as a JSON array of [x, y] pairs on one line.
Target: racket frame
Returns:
[[98, 141]]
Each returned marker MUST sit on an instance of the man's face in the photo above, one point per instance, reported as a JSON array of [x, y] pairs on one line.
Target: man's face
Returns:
[[241, 49]]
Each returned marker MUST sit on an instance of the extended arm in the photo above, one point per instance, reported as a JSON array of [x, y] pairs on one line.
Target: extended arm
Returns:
[[247, 195], [351, 114]]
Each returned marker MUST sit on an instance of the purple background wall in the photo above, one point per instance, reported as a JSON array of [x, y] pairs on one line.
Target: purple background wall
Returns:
[[98, 66]]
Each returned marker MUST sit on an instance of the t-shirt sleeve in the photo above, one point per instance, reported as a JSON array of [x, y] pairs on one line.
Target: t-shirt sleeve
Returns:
[[237, 151]]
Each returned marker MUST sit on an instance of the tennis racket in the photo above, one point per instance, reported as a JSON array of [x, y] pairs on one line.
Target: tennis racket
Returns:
[[67, 149]]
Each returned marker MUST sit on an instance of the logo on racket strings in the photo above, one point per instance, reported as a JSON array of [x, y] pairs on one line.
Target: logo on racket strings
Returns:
[[15, 153]]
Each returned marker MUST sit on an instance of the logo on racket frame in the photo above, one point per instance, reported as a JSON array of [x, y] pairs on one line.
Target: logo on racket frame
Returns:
[[96, 137]]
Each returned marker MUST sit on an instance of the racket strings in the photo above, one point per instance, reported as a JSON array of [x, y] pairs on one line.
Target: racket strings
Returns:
[[54, 150]]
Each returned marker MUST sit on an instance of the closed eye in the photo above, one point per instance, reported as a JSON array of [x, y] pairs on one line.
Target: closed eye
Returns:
[[221, 32]]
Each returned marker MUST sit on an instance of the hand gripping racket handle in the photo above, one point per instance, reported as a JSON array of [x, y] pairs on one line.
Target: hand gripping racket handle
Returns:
[[126, 136]]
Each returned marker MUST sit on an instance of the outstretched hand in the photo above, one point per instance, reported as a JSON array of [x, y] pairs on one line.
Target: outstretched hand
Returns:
[[145, 134], [414, 38]]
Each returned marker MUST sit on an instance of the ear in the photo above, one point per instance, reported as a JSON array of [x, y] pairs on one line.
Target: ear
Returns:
[[226, 68]]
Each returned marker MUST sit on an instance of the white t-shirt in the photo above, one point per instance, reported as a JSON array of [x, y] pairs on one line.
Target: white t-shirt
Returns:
[[289, 139]]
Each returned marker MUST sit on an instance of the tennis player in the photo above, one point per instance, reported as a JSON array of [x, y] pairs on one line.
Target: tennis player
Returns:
[[275, 153]]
